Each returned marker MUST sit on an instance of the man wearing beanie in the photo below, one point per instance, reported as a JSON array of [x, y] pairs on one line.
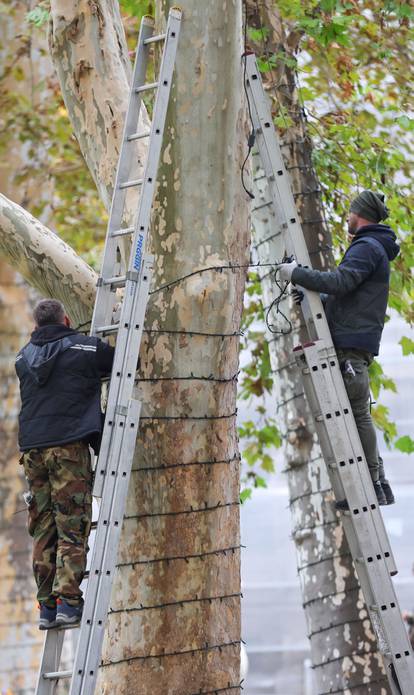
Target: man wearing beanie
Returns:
[[355, 297]]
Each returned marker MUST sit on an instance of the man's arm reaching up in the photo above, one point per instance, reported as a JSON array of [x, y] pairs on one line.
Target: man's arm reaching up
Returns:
[[359, 262]]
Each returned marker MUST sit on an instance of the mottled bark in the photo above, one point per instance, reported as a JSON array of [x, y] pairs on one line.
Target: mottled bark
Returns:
[[90, 54], [343, 646], [175, 625], [45, 261]]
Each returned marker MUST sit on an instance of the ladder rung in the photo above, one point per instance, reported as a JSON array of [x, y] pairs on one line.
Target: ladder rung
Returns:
[[139, 136], [153, 39], [56, 675], [123, 232], [130, 184], [116, 281], [146, 87], [263, 205], [113, 328]]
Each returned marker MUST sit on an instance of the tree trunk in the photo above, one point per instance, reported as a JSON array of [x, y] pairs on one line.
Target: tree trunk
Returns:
[[343, 646], [175, 620]]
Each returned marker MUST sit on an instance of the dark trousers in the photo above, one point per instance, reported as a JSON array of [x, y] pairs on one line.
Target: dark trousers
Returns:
[[60, 510], [357, 388]]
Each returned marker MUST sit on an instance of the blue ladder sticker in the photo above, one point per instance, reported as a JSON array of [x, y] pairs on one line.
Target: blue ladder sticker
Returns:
[[138, 253]]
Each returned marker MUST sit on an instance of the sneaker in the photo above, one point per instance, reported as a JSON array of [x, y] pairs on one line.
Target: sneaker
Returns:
[[389, 495], [67, 614], [47, 617], [381, 498]]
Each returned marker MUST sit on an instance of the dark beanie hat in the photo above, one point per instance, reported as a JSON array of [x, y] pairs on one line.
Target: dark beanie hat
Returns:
[[370, 205]]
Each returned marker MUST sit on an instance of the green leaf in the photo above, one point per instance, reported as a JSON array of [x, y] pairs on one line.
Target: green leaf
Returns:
[[38, 16], [406, 122], [245, 495], [407, 346], [405, 444], [259, 481], [258, 35], [267, 463]]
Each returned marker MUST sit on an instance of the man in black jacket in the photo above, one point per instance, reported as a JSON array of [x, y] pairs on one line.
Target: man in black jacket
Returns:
[[355, 296], [60, 374]]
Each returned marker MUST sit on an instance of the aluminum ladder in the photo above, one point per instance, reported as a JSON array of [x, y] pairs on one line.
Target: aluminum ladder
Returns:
[[334, 421], [122, 413]]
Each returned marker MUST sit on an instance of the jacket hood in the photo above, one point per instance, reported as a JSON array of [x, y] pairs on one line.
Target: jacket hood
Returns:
[[382, 233], [53, 331], [46, 344]]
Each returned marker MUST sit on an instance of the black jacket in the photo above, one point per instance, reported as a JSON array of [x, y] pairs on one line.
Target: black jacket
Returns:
[[60, 374], [358, 289]]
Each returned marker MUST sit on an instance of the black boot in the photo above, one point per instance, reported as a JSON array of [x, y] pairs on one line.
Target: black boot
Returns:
[[382, 500], [342, 505], [386, 488]]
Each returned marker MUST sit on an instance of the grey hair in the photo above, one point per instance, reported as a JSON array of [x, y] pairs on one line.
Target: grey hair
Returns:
[[48, 311]]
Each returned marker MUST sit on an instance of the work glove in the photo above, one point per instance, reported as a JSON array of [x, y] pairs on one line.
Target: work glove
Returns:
[[298, 296], [286, 270]]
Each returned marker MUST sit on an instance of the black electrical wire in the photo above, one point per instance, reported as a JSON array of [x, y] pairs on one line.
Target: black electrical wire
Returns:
[[185, 558], [206, 648], [276, 304], [252, 135]]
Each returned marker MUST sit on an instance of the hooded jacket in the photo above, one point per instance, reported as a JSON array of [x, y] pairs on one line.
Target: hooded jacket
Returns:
[[60, 374], [357, 291]]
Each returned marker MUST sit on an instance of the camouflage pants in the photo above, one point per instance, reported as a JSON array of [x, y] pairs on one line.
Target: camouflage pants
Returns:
[[60, 509]]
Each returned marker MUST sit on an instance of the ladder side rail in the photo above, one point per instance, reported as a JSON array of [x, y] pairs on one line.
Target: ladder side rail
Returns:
[[336, 387], [283, 201], [141, 225], [353, 434], [106, 298], [92, 588], [344, 454], [346, 406], [131, 304], [138, 298], [312, 308], [50, 660], [88, 660], [267, 219], [157, 131], [278, 174], [125, 362], [370, 602], [361, 532], [348, 453], [121, 383], [267, 141]]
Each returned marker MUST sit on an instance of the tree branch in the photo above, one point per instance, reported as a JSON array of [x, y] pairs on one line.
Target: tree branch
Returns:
[[89, 50], [45, 261]]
